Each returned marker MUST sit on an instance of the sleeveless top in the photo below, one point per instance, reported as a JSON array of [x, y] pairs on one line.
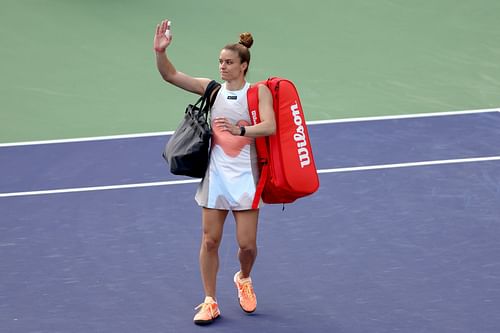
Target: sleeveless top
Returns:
[[232, 172]]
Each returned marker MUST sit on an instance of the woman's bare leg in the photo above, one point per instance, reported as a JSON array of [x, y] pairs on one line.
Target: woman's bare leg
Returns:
[[213, 226], [246, 235]]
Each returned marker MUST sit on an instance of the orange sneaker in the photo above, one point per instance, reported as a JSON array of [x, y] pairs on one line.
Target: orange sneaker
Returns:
[[246, 295], [209, 311]]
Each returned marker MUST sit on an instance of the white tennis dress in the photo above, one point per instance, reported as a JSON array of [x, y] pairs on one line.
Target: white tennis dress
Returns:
[[232, 173]]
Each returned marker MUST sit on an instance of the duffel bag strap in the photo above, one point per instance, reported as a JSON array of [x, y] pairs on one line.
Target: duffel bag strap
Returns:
[[260, 143]]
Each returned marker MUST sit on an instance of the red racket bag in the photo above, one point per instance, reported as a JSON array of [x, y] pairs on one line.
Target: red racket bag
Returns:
[[286, 163]]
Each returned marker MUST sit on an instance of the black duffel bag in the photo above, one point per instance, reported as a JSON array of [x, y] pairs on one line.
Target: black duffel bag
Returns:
[[188, 150]]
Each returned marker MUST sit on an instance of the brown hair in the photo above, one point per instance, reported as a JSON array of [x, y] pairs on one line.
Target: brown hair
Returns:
[[242, 48]]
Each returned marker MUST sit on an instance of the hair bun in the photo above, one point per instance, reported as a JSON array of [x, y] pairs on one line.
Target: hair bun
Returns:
[[246, 39]]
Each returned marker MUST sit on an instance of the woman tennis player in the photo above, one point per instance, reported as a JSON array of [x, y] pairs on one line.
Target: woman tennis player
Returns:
[[230, 180]]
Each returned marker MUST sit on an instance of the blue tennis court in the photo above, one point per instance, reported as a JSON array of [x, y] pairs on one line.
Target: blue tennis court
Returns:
[[402, 236]]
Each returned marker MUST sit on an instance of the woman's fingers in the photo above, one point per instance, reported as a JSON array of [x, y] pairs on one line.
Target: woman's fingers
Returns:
[[164, 26], [225, 125]]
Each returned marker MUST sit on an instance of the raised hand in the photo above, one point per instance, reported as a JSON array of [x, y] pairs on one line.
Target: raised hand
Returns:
[[163, 36]]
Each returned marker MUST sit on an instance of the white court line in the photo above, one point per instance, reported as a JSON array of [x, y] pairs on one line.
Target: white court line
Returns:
[[93, 138], [402, 116], [411, 164], [190, 181], [98, 188], [314, 122]]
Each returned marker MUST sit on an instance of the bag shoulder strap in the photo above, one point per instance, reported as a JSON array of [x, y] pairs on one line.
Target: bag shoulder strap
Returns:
[[208, 98], [260, 143], [213, 95]]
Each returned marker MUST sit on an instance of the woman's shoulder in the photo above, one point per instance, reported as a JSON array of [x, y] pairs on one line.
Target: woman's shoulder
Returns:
[[264, 91]]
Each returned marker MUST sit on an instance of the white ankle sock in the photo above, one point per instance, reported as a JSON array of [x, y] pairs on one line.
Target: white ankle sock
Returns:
[[209, 299]]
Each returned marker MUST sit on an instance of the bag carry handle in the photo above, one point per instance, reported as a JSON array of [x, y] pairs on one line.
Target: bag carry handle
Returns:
[[206, 99]]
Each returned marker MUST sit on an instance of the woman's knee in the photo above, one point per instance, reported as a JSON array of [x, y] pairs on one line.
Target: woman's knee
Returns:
[[213, 224], [248, 249], [210, 244]]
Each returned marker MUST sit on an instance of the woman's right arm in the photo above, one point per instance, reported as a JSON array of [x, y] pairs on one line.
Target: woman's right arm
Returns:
[[167, 69]]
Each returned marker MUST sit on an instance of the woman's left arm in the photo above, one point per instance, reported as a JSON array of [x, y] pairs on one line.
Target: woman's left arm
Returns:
[[267, 125]]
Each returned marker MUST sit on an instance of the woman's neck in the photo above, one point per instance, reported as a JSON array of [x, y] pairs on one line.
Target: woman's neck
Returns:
[[234, 85]]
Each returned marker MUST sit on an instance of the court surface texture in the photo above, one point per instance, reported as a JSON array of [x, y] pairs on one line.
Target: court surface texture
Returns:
[[402, 236]]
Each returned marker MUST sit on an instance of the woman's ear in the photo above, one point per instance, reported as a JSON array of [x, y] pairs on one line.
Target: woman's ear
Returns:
[[244, 66]]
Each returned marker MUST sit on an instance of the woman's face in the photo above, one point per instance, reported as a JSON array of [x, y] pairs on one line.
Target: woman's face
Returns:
[[230, 67]]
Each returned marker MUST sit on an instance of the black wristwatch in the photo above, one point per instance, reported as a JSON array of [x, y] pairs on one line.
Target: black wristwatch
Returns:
[[242, 130]]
